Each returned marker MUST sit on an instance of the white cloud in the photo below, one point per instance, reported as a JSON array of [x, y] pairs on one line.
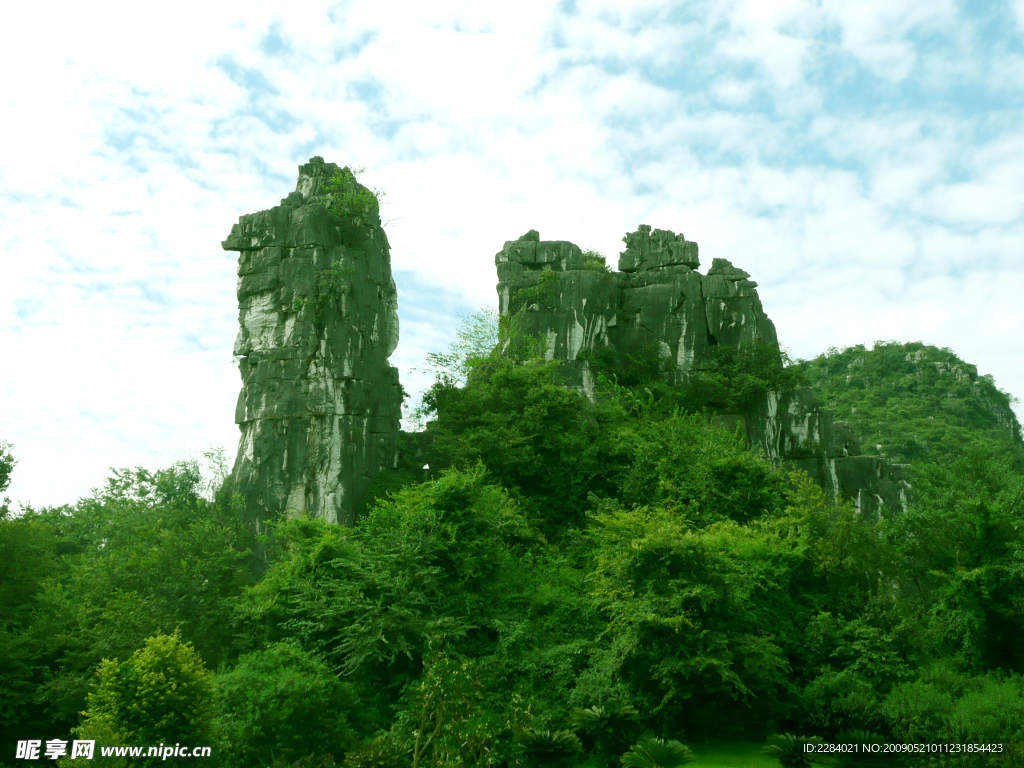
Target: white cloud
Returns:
[[141, 136], [775, 34]]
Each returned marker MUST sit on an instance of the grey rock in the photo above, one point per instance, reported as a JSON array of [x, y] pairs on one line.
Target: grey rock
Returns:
[[803, 433], [657, 298], [320, 406], [653, 249]]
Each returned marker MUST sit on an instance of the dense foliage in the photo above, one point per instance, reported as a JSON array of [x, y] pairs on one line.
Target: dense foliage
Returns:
[[914, 402], [576, 583], [146, 554], [7, 463], [162, 693]]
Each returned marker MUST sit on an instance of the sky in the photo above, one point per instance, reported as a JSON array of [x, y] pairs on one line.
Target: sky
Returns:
[[863, 161]]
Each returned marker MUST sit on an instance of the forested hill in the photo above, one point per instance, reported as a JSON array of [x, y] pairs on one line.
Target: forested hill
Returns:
[[577, 583], [915, 403]]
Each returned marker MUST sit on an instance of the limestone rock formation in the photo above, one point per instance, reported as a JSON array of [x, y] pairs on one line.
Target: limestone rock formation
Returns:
[[803, 433], [320, 406], [658, 299]]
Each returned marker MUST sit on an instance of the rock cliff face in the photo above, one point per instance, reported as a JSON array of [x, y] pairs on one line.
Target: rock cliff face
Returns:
[[320, 405], [800, 431], [657, 298]]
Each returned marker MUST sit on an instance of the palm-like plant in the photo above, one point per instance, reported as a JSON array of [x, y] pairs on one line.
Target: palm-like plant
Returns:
[[548, 748], [603, 718], [658, 753], [789, 750], [608, 730]]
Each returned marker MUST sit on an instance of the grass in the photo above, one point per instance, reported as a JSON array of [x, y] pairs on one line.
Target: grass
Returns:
[[731, 754]]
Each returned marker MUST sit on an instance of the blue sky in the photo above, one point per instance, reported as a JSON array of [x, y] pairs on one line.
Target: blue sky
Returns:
[[861, 160]]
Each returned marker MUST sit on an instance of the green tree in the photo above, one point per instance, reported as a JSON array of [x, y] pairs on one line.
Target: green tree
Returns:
[[698, 618], [687, 461], [476, 339], [960, 554], [162, 694], [27, 559], [144, 555], [437, 560], [530, 432], [452, 562], [282, 703], [450, 717], [7, 463]]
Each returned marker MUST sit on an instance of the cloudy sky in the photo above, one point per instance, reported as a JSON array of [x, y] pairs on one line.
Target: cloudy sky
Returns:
[[862, 160]]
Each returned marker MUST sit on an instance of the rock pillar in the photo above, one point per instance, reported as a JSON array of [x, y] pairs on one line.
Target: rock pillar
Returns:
[[320, 406]]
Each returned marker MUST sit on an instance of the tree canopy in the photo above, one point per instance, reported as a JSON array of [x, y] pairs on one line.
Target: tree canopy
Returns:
[[575, 582]]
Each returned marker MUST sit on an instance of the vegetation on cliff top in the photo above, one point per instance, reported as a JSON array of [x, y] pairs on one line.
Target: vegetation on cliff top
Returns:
[[915, 403], [344, 196]]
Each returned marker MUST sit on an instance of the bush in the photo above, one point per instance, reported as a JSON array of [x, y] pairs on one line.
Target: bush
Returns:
[[608, 730], [345, 197], [382, 752], [595, 262], [282, 703], [658, 753], [548, 749], [163, 693], [941, 706], [841, 697]]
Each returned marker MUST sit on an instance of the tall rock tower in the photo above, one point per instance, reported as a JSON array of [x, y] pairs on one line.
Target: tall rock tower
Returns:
[[320, 406]]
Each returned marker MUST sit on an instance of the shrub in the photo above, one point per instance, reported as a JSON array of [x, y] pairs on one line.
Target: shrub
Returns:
[[549, 749], [841, 697], [163, 693], [658, 753], [595, 262], [345, 197], [282, 703], [607, 725], [608, 729]]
